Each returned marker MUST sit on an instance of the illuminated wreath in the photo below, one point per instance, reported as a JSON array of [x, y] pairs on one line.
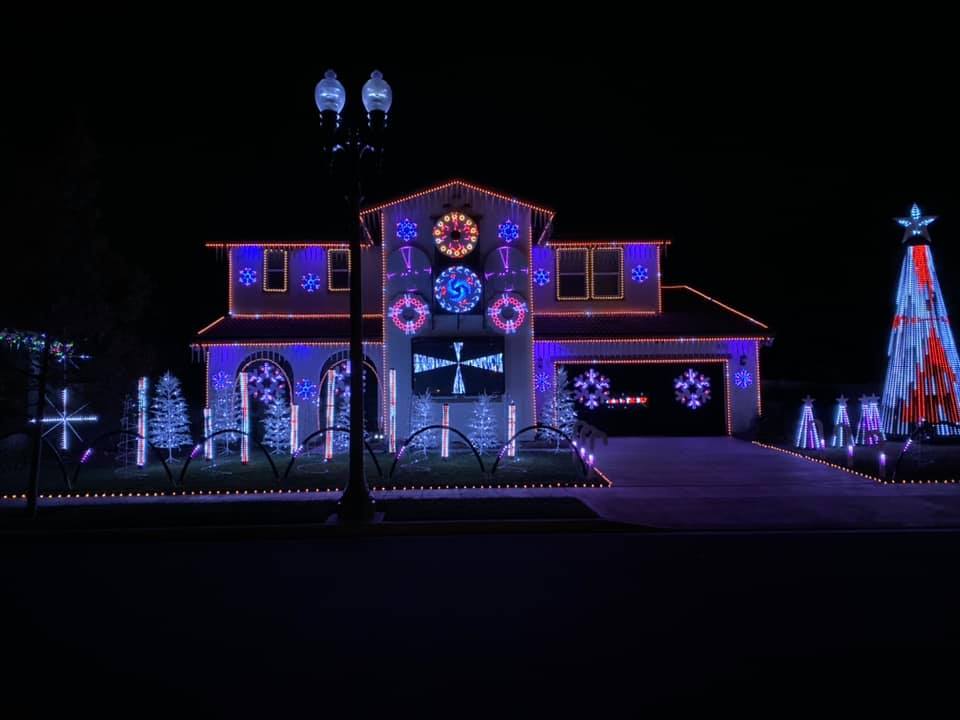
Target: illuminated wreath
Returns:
[[455, 235], [310, 282], [508, 231], [507, 312], [743, 378], [409, 313], [220, 381], [639, 274], [692, 389], [406, 230], [248, 276], [541, 276], [591, 388], [457, 289]]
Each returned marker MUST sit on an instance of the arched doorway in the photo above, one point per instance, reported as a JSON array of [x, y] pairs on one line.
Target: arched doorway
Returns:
[[269, 380], [339, 363]]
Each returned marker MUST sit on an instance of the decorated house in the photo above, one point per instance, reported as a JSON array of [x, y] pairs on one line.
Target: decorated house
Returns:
[[465, 291]]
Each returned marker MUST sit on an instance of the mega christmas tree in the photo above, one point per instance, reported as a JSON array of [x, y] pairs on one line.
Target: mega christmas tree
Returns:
[[169, 424], [921, 383], [483, 425]]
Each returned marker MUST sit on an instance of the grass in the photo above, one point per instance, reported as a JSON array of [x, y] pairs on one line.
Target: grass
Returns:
[[921, 463]]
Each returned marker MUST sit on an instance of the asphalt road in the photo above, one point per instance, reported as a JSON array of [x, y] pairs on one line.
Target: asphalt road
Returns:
[[479, 624]]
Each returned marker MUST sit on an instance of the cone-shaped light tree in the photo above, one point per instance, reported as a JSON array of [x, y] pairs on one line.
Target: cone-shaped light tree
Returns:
[[808, 434], [922, 367], [842, 432]]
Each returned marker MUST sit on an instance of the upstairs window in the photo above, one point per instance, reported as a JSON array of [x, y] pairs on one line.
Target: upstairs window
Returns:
[[572, 270], [606, 274], [275, 265], [338, 270]]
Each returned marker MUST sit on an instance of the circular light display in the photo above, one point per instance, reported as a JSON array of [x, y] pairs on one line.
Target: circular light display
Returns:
[[409, 313], [507, 312], [455, 235], [248, 276], [407, 230], [508, 231], [639, 274], [220, 381], [306, 389], [742, 378], [541, 276], [591, 388], [457, 289], [692, 389], [310, 282]]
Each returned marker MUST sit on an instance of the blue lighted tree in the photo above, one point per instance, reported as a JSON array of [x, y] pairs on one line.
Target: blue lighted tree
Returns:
[[483, 425], [560, 408], [169, 420], [276, 426]]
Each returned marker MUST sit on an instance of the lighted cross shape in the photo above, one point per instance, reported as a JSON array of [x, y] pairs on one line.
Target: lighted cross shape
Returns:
[[425, 363], [916, 224], [65, 420]]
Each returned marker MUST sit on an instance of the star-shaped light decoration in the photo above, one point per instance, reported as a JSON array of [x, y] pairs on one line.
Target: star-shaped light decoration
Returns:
[[842, 400], [64, 419], [916, 225]]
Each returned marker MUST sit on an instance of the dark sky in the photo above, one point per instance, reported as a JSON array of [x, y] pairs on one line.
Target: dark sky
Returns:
[[777, 188]]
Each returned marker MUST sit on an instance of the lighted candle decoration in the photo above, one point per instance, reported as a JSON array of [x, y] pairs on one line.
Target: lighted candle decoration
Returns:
[[142, 422], [883, 464], [328, 437], [392, 429], [850, 455], [512, 428], [244, 419], [445, 432]]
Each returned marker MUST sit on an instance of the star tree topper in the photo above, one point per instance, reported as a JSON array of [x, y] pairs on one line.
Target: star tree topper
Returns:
[[916, 225]]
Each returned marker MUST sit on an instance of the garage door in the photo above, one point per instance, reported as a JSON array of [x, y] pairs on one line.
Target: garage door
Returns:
[[647, 396]]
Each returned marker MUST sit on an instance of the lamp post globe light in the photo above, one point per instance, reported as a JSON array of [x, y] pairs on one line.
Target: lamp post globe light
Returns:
[[354, 147]]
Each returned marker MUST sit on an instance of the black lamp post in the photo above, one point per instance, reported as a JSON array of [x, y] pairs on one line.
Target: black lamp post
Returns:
[[351, 151]]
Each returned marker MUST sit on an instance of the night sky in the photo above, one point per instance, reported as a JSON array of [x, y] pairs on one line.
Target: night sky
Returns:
[[777, 189]]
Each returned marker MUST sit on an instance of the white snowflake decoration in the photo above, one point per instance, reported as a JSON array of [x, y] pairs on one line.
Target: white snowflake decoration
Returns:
[[541, 381], [692, 389], [742, 378], [591, 388], [267, 383]]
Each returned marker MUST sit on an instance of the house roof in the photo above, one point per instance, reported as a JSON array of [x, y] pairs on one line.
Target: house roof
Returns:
[[687, 313], [452, 183], [334, 329]]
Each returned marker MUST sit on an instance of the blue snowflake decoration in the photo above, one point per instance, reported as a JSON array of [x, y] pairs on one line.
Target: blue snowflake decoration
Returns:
[[457, 289], [248, 276], [541, 276], [407, 230], [220, 381], [310, 282], [305, 389], [508, 231], [639, 274], [742, 378], [541, 381]]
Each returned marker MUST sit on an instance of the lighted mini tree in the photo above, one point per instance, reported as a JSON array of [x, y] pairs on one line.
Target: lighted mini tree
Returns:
[[808, 436], [842, 429], [421, 416], [922, 369], [276, 426], [483, 425], [226, 416], [127, 444], [560, 409], [869, 426], [169, 422]]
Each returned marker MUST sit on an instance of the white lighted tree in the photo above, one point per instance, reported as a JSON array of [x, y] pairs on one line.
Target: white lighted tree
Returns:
[[276, 426], [483, 425], [169, 420]]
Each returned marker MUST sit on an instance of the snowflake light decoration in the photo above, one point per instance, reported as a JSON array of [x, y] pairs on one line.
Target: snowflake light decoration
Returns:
[[407, 230], [508, 231], [310, 282], [692, 389], [305, 389], [266, 382], [541, 276], [457, 289], [220, 381], [64, 419], [247, 276], [507, 312], [409, 313], [639, 274], [455, 235], [742, 378], [591, 389], [541, 381]]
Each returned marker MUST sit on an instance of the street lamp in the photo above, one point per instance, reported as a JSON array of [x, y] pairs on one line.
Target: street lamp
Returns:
[[352, 147]]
